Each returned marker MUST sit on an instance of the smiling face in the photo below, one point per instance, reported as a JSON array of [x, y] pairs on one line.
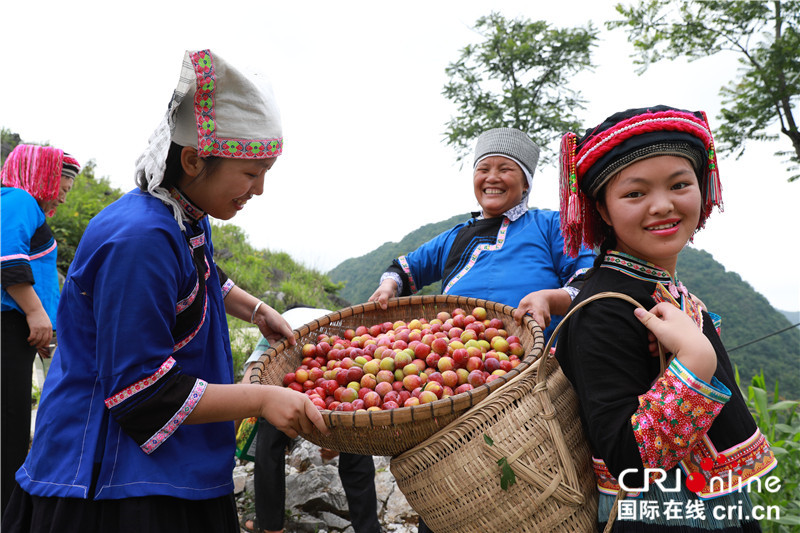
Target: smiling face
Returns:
[[49, 206], [653, 207], [499, 184], [223, 188]]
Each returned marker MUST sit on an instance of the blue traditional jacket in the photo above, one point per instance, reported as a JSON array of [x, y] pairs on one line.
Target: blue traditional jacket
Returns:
[[494, 259], [143, 332], [27, 251]]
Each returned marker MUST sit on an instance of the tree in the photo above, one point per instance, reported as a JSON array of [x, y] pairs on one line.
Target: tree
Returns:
[[88, 197], [766, 37], [8, 141], [518, 77]]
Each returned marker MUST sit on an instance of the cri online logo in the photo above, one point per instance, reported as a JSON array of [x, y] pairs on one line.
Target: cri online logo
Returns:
[[695, 481]]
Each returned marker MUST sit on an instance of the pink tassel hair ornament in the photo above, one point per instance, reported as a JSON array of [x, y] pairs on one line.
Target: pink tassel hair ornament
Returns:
[[570, 202], [712, 192]]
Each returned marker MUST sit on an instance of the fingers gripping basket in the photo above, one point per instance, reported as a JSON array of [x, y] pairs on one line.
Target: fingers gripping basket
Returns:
[[453, 479], [394, 431]]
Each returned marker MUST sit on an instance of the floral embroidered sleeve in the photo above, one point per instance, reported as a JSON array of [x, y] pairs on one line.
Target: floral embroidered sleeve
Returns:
[[717, 321], [151, 409], [674, 414]]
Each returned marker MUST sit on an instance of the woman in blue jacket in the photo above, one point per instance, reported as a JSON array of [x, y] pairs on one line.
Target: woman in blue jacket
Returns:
[[506, 252], [134, 430], [36, 180]]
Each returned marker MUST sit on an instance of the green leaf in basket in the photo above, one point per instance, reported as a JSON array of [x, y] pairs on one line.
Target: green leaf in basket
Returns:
[[507, 476], [488, 439]]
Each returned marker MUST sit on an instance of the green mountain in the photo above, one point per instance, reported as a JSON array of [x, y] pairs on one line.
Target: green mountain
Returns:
[[746, 315], [748, 322]]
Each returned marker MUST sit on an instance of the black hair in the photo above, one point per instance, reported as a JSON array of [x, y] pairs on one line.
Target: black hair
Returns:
[[609, 241], [174, 169]]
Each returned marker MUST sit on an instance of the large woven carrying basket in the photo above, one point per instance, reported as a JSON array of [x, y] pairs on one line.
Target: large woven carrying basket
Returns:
[[394, 431], [453, 479]]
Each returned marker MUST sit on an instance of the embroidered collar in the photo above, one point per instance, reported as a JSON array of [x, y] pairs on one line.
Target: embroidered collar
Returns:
[[667, 289], [192, 212], [512, 214], [633, 266]]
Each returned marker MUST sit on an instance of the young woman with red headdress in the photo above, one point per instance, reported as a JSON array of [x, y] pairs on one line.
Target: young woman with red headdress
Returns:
[[638, 186]]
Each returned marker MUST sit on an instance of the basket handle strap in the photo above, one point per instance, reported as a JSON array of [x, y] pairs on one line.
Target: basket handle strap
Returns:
[[541, 385], [621, 494], [542, 375]]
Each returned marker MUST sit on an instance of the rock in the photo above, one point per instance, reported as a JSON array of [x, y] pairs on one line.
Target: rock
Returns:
[[316, 490], [315, 500], [306, 524], [305, 455], [335, 522], [239, 480]]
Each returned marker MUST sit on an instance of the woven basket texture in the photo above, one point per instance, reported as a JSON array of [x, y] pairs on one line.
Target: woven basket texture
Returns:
[[453, 479], [394, 431]]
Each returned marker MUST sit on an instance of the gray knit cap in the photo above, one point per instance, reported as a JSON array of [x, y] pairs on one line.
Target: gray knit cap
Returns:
[[509, 142]]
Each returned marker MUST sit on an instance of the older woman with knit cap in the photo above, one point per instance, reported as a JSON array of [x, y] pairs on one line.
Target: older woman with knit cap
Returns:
[[506, 252], [36, 180], [135, 425]]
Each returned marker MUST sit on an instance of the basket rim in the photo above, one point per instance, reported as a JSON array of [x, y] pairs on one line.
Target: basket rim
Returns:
[[417, 412]]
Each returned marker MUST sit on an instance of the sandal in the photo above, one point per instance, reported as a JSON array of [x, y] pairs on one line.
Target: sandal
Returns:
[[249, 525]]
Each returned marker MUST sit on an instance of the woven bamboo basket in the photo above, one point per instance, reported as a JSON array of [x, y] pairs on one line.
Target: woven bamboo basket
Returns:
[[453, 479], [394, 431]]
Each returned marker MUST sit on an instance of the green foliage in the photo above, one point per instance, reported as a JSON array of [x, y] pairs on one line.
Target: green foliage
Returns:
[[518, 77], [87, 198], [274, 277], [36, 394], [778, 420], [765, 35], [746, 316], [8, 140], [360, 275], [507, 475], [244, 338]]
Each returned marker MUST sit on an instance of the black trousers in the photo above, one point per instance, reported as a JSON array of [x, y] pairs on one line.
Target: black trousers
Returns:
[[356, 471], [16, 368]]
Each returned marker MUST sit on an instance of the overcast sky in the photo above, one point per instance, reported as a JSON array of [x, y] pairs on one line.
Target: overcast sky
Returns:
[[359, 86]]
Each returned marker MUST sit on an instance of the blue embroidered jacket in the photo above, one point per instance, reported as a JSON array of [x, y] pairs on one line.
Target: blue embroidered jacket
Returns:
[[494, 259], [143, 332], [27, 250]]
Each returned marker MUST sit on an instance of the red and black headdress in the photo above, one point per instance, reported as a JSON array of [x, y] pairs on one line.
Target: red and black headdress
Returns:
[[589, 162]]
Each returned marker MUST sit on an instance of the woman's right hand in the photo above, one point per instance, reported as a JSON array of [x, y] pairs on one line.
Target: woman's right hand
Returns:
[[386, 290], [41, 328], [292, 412], [679, 334]]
